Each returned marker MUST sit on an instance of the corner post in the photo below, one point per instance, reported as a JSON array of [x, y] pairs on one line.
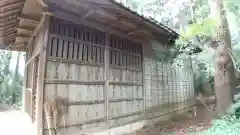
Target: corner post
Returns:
[[24, 88], [41, 75]]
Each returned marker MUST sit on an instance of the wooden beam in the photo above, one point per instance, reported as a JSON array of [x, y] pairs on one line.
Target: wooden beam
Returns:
[[11, 12], [8, 18], [11, 6], [76, 19], [27, 29], [25, 36], [106, 77], [106, 14], [9, 40], [8, 36], [8, 2], [143, 31], [42, 4], [24, 86], [16, 44], [19, 45], [14, 21], [6, 27], [5, 33], [133, 31], [42, 67], [29, 18], [87, 14], [8, 43], [36, 30], [98, 10]]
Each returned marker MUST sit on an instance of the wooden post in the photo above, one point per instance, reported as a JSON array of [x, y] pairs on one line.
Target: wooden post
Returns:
[[106, 77], [41, 75], [143, 85], [144, 54], [24, 107], [32, 87]]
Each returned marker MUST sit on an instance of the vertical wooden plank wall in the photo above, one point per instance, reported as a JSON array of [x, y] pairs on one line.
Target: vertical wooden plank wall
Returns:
[[126, 91], [102, 91], [75, 70], [168, 88], [102, 77]]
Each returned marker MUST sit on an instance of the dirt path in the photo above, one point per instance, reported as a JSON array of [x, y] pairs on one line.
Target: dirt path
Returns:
[[181, 124], [14, 122]]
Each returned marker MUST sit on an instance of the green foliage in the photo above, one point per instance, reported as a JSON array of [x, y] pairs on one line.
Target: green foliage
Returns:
[[200, 32], [11, 87], [205, 28], [226, 125]]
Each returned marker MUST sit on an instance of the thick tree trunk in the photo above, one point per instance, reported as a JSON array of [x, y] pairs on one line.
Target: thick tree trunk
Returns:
[[224, 70]]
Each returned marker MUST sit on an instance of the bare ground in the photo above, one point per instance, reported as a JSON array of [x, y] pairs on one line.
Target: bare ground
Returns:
[[181, 124], [15, 122]]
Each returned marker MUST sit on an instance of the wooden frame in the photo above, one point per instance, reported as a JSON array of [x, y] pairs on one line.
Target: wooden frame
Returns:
[[42, 65]]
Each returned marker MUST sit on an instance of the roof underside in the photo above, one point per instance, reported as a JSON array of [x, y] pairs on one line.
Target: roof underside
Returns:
[[19, 18]]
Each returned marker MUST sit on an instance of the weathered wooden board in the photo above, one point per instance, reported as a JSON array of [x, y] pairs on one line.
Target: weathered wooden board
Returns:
[[167, 88], [86, 101], [102, 77], [125, 96], [75, 71]]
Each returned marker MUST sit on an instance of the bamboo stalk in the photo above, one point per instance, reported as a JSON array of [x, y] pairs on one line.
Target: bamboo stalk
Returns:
[[49, 118]]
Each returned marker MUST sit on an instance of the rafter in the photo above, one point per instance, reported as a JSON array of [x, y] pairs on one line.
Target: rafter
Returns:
[[26, 29], [6, 28], [23, 36], [90, 12], [8, 2], [99, 26], [8, 22], [8, 18], [15, 45], [29, 18], [11, 6], [11, 12], [11, 31]]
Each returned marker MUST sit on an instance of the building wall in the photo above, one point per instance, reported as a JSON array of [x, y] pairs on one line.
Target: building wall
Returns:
[[108, 81], [99, 73], [167, 88]]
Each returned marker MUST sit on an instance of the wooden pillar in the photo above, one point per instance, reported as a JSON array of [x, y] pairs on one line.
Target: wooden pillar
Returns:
[[106, 77], [24, 107], [33, 69], [41, 75], [146, 53]]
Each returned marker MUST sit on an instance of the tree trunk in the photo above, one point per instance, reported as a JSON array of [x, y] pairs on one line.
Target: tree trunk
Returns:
[[224, 70]]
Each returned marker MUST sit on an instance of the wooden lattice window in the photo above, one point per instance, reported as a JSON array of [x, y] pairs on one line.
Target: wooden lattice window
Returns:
[[125, 54], [75, 42]]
